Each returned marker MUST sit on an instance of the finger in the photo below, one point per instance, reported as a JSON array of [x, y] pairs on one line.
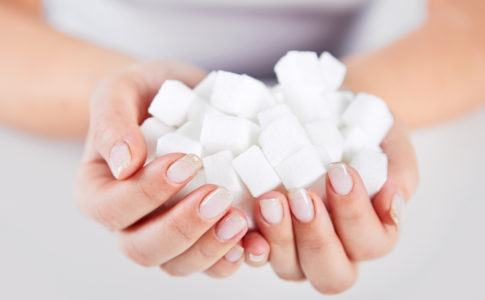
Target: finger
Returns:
[[119, 105], [354, 217], [403, 177], [211, 247], [273, 217], [167, 234], [321, 254], [229, 264], [119, 204], [256, 248]]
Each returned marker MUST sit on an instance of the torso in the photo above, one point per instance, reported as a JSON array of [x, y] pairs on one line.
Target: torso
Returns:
[[242, 36]]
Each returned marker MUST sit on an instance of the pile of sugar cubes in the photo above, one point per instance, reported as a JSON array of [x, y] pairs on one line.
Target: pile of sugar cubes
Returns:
[[253, 138]]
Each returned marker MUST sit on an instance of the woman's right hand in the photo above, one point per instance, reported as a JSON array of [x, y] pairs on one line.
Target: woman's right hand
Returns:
[[201, 232]]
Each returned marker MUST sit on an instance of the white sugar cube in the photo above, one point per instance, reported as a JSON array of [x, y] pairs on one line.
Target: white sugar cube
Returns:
[[355, 139], [256, 172], [301, 169], [372, 167], [371, 114], [177, 143], [222, 132], [199, 108], [172, 103], [325, 134], [218, 170], [195, 183], [152, 129], [277, 93], [333, 71], [240, 95], [204, 88], [268, 115], [191, 129], [336, 103], [300, 70], [282, 138]]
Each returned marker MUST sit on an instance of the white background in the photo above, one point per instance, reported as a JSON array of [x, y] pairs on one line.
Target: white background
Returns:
[[49, 251]]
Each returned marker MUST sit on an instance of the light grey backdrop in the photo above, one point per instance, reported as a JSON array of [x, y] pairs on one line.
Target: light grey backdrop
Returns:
[[49, 251]]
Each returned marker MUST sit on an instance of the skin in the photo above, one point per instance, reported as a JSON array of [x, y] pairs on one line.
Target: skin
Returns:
[[448, 50]]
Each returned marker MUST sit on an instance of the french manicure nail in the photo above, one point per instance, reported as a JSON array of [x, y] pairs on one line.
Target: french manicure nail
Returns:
[[234, 254], [184, 168], [271, 210], [301, 205], [215, 203], [397, 208], [257, 258], [340, 179], [231, 226], [119, 158]]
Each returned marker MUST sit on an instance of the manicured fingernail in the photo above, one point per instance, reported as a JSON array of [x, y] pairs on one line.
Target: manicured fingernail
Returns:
[[397, 208], [257, 258], [184, 168], [271, 210], [301, 205], [215, 203], [231, 226], [119, 158], [340, 179], [234, 254]]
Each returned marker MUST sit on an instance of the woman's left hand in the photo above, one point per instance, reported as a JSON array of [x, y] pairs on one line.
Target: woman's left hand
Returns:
[[303, 237]]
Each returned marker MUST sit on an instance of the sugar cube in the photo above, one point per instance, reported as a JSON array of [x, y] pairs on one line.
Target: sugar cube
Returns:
[[199, 108], [372, 167], [204, 88], [218, 170], [240, 95], [301, 169], [152, 129], [282, 138], [172, 103], [371, 114], [325, 134], [336, 102], [268, 115], [277, 93], [256, 172], [333, 71], [176, 143], [300, 70], [355, 139], [191, 129], [223, 132]]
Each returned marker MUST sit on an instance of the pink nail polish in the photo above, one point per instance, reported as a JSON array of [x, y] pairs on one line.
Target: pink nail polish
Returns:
[[215, 203], [301, 205], [119, 158], [340, 179], [231, 226]]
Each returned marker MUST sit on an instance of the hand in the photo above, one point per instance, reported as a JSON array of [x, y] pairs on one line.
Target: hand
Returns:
[[324, 241], [116, 189]]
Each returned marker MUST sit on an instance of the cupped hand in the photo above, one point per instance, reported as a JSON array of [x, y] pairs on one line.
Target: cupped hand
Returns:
[[201, 232], [305, 237]]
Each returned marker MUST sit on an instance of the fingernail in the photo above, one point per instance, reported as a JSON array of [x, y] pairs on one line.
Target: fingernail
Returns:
[[257, 258], [340, 179], [184, 168], [119, 158], [271, 210], [234, 254], [397, 208], [301, 205], [215, 203], [231, 226]]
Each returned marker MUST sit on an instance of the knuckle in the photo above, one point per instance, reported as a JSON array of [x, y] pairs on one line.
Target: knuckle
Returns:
[[283, 241], [314, 243], [207, 253], [105, 215], [134, 252], [370, 252], [172, 270], [336, 286], [182, 229], [221, 272], [149, 192]]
